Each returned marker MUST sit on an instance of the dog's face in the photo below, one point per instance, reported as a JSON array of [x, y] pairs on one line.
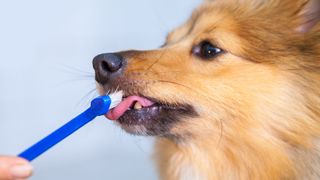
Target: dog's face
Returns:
[[234, 69]]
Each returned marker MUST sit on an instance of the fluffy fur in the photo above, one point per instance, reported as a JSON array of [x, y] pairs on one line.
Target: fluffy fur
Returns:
[[258, 103]]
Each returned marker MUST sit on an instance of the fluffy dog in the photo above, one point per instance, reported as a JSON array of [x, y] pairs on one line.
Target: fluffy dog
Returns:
[[234, 93]]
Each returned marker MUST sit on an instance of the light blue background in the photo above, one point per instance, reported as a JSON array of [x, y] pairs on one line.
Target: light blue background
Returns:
[[46, 48]]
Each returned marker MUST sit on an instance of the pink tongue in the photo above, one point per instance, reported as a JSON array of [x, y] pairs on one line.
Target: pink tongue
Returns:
[[125, 104]]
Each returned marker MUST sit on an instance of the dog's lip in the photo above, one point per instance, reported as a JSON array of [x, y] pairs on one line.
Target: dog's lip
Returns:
[[125, 105]]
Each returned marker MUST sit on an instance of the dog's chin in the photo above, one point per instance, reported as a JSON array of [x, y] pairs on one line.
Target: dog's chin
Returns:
[[139, 130]]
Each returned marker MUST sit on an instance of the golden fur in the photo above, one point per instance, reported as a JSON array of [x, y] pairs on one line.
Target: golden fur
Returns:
[[258, 103]]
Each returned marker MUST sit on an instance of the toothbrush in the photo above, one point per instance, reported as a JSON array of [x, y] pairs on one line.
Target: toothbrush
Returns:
[[99, 106]]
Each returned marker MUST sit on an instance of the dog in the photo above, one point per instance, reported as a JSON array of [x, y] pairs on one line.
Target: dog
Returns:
[[233, 94]]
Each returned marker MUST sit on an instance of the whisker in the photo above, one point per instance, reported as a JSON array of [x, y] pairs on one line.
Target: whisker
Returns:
[[74, 70], [117, 88], [70, 81], [171, 82], [221, 132], [137, 58], [157, 60], [87, 97], [198, 92], [142, 71]]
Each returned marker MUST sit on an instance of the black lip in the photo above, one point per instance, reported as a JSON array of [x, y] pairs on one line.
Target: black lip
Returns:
[[148, 114], [157, 119]]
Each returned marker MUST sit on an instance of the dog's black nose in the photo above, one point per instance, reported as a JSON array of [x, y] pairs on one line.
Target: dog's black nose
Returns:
[[107, 66]]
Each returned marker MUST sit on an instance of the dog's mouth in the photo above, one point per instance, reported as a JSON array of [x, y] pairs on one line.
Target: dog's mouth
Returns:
[[131, 104], [148, 116]]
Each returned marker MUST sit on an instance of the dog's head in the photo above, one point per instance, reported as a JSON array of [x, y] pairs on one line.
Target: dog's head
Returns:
[[236, 69]]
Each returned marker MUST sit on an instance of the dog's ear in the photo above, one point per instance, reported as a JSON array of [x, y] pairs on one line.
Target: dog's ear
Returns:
[[310, 15]]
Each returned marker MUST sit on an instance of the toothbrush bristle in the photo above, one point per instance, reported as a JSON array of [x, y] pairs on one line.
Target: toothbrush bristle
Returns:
[[116, 98]]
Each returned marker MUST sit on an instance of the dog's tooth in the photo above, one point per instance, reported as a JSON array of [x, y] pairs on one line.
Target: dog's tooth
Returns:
[[137, 106]]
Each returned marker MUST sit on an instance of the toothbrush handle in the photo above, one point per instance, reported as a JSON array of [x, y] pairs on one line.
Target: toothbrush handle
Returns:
[[58, 135]]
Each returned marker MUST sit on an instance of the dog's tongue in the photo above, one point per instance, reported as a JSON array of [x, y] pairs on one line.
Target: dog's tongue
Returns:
[[125, 104]]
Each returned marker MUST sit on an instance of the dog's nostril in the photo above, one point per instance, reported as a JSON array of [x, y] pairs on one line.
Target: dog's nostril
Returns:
[[105, 66], [107, 63], [111, 64]]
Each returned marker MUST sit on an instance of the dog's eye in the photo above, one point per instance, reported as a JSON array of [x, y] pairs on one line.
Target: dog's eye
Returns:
[[206, 50]]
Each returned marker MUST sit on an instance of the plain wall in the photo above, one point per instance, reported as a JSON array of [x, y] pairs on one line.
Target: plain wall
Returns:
[[46, 76]]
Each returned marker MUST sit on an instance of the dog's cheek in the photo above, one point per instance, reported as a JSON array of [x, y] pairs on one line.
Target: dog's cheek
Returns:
[[231, 106]]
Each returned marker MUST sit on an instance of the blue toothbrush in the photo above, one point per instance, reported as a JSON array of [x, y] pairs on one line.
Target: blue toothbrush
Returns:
[[99, 106]]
